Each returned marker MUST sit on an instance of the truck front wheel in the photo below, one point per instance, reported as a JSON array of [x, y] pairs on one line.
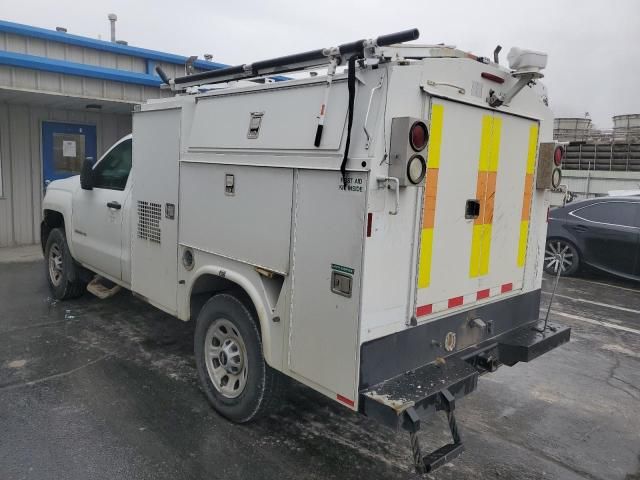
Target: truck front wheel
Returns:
[[62, 274], [231, 366]]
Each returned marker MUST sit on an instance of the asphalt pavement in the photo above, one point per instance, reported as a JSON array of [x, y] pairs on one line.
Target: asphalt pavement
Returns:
[[93, 389]]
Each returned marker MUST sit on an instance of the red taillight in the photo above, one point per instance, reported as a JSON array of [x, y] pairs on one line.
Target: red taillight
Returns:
[[558, 155], [418, 136]]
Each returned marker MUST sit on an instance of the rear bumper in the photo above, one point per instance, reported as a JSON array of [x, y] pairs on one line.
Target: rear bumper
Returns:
[[457, 375]]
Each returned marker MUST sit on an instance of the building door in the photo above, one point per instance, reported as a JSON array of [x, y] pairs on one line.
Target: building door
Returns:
[[64, 148]]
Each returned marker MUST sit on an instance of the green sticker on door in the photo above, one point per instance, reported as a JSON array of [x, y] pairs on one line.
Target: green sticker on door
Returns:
[[341, 268]]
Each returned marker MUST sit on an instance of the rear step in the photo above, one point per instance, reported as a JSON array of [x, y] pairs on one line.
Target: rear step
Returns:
[[437, 458], [102, 288], [400, 402]]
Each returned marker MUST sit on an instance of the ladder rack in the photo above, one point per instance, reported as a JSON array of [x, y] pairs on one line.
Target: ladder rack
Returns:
[[288, 63]]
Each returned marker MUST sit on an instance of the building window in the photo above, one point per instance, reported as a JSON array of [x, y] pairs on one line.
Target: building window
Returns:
[[68, 152]]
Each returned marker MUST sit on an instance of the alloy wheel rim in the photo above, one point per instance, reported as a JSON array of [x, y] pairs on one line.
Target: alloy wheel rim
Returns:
[[558, 254], [55, 264], [226, 358]]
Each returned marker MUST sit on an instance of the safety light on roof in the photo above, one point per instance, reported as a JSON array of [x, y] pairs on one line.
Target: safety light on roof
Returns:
[[418, 136], [558, 155]]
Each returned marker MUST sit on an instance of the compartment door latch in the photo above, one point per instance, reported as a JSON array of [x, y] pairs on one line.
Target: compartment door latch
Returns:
[[341, 283]]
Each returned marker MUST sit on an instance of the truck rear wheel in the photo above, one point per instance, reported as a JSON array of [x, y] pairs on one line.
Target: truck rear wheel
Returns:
[[231, 366], [62, 274]]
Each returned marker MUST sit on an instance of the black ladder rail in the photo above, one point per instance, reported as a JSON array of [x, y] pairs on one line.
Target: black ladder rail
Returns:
[[289, 63]]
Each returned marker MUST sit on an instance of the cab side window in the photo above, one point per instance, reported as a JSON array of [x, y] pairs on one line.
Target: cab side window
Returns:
[[113, 171]]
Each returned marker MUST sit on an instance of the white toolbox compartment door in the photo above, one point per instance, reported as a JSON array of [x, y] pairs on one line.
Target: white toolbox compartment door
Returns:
[[328, 237]]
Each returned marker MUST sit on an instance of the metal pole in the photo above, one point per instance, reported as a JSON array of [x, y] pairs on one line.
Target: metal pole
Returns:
[[112, 19]]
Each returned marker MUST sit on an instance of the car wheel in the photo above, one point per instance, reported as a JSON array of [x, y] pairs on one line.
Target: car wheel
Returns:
[[230, 363], [561, 254], [62, 273]]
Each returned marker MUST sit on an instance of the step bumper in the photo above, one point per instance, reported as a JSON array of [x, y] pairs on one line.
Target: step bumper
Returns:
[[422, 389]]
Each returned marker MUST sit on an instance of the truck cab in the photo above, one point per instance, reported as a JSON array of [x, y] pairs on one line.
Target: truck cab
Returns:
[[96, 220]]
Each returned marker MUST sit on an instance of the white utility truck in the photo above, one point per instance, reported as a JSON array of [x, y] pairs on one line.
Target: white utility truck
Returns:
[[376, 233]]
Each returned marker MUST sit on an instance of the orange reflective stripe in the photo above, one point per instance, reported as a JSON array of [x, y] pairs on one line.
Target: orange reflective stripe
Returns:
[[527, 197], [430, 194], [489, 157]]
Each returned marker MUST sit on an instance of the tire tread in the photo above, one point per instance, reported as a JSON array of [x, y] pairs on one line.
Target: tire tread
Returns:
[[72, 288], [273, 390]]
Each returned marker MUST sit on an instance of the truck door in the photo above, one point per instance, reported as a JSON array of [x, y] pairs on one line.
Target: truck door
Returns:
[[474, 228], [98, 213]]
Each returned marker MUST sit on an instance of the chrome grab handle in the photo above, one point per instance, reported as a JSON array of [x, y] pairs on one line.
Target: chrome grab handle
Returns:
[[384, 182]]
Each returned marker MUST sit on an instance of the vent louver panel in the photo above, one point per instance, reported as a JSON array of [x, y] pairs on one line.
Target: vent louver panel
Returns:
[[149, 215]]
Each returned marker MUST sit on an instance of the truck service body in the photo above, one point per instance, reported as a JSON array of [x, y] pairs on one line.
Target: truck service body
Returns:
[[387, 259]]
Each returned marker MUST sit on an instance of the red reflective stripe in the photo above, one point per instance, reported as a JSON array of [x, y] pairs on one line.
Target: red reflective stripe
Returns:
[[345, 400], [369, 222], [455, 302], [424, 310], [483, 294], [507, 287]]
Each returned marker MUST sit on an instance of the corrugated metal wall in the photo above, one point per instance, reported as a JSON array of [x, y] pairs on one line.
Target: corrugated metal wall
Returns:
[[50, 82], [72, 53], [21, 160]]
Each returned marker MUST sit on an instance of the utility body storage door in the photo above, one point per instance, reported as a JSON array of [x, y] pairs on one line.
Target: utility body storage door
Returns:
[[155, 209], [476, 207]]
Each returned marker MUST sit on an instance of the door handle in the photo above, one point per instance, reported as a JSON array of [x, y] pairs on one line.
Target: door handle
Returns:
[[114, 205]]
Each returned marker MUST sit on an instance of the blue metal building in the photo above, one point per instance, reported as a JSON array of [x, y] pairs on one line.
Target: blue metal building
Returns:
[[64, 97]]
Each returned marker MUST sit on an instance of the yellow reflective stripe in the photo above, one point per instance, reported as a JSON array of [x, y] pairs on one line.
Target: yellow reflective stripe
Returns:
[[426, 250], [480, 249], [522, 244], [485, 143], [485, 192], [494, 150], [476, 245], [485, 254], [435, 136], [430, 192], [533, 146], [527, 195]]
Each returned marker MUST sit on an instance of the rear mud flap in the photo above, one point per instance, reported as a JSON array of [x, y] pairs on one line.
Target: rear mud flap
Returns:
[[402, 401]]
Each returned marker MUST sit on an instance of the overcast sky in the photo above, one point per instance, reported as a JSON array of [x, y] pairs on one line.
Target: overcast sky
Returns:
[[593, 46]]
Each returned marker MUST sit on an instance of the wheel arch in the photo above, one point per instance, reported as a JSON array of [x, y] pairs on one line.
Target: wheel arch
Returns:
[[50, 219], [56, 206], [209, 280]]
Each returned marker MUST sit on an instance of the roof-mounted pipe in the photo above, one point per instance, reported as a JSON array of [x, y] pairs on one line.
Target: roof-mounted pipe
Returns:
[[292, 62]]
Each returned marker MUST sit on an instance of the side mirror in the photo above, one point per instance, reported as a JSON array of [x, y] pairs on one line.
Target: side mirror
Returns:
[[86, 174]]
